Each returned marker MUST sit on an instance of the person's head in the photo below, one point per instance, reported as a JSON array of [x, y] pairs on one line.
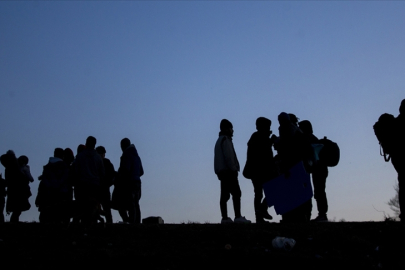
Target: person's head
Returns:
[[226, 127], [91, 142], [402, 107], [68, 155], [293, 118], [283, 118], [58, 153], [306, 127], [101, 151], [80, 148], [125, 143], [23, 160], [263, 124]]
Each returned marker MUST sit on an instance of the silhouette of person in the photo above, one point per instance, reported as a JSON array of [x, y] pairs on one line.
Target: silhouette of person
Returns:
[[319, 175], [18, 189], [226, 167], [106, 183], [89, 169], [25, 168], [2, 197], [261, 165], [292, 148], [127, 185], [398, 157], [53, 191]]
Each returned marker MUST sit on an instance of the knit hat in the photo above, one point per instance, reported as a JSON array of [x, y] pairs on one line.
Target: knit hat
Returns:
[[225, 124]]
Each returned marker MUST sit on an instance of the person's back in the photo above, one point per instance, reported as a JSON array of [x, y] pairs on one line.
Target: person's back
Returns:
[[89, 170], [53, 190]]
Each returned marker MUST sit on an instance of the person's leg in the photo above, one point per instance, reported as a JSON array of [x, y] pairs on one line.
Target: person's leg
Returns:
[[135, 211], [106, 204], [236, 195], [399, 165], [15, 216], [319, 180], [225, 195]]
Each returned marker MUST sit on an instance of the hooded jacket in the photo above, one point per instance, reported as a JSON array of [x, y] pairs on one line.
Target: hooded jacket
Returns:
[[130, 170], [225, 156]]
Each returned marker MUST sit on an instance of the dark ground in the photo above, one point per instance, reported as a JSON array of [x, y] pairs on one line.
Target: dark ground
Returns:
[[333, 245]]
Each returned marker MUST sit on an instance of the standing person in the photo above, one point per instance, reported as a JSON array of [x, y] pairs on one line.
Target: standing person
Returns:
[[18, 189], [260, 164], [127, 186], [261, 159], [398, 157], [319, 174], [89, 170], [226, 167], [53, 191], [106, 183]]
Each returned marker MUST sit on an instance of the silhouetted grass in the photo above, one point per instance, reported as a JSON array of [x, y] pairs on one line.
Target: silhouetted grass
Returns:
[[334, 245]]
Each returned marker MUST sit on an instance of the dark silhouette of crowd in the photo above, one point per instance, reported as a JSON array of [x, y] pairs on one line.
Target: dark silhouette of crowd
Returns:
[[295, 143], [75, 189]]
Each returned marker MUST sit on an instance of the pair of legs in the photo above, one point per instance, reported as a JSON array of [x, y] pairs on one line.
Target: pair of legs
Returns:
[[230, 186], [319, 176], [106, 203], [260, 204], [399, 164], [132, 214]]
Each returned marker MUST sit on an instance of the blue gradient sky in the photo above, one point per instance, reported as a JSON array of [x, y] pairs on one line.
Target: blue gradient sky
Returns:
[[165, 73]]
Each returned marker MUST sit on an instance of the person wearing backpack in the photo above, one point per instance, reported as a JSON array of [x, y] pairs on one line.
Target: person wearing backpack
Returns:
[[398, 156], [226, 167], [319, 175]]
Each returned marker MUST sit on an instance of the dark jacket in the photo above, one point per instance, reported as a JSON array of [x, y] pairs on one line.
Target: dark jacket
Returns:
[[89, 168], [260, 159], [110, 173], [54, 186], [130, 170]]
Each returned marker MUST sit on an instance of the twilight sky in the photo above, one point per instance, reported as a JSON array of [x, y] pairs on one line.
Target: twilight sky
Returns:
[[164, 74]]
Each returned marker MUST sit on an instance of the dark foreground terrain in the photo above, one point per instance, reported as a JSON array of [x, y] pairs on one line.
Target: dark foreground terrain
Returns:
[[334, 245]]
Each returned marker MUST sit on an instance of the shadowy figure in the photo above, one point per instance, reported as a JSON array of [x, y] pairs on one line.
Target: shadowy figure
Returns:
[[2, 197], [398, 156], [54, 190], [319, 173], [18, 189], [260, 166], [226, 168], [106, 182], [89, 170], [127, 185], [292, 147]]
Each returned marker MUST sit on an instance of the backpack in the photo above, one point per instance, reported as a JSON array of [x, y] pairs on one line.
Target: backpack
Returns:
[[330, 152], [384, 130]]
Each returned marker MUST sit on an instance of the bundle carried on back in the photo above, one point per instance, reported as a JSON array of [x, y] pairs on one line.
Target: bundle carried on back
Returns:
[[330, 152], [385, 131]]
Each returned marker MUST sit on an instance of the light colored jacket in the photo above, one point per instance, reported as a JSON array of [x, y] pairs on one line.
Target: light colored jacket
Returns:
[[224, 156]]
